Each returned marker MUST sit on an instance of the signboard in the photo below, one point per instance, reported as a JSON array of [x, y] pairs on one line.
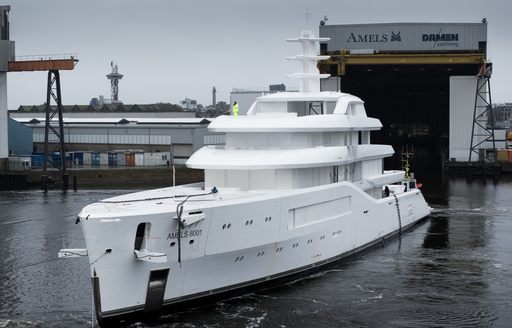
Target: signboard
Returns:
[[430, 37]]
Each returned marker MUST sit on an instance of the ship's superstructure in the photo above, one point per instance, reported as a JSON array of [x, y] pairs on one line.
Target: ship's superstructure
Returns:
[[297, 185]]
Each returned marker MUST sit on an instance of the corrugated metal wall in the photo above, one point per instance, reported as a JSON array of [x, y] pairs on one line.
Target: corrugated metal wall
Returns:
[[184, 140], [20, 138], [332, 83], [462, 104], [405, 36]]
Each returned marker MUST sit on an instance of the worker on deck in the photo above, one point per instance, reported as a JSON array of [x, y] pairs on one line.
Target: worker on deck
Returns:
[[235, 109]]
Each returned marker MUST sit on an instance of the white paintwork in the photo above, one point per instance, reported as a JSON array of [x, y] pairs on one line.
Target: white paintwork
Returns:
[[309, 77], [4, 144], [293, 192], [210, 157], [289, 122]]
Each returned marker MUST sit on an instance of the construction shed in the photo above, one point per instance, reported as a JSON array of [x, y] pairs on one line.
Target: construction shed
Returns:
[[419, 79]]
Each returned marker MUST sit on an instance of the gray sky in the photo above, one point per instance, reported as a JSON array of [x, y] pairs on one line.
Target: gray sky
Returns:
[[169, 50]]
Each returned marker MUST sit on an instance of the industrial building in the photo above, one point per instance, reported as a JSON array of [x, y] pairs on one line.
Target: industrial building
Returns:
[[503, 115], [419, 79], [178, 136], [162, 110], [110, 127]]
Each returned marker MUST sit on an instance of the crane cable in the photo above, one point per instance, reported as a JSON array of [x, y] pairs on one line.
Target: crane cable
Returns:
[[181, 224]]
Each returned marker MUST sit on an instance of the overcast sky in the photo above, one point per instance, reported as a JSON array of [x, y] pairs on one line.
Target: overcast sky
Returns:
[[169, 50]]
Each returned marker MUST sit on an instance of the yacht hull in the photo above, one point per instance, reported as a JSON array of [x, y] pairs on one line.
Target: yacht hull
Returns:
[[237, 245]]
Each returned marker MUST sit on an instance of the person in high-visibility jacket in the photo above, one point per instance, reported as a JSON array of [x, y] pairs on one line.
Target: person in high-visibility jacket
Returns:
[[235, 109]]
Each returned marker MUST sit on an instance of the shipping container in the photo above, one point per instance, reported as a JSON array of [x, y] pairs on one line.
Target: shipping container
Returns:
[[37, 160], [139, 159], [121, 159], [18, 163], [56, 159], [112, 159], [78, 159], [104, 159], [157, 159], [95, 159], [129, 159], [87, 158], [502, 155]]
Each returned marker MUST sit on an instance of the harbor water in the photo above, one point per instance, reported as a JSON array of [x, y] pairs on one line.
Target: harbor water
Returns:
[[454, 269]]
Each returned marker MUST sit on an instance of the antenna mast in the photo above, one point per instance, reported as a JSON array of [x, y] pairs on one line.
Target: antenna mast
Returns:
[[114, 78]]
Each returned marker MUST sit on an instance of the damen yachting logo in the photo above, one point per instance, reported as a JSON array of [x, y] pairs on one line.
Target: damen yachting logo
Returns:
[[442, 39]]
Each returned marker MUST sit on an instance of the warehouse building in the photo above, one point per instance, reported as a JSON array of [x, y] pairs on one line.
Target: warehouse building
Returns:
[[419, 79], [179, 137]]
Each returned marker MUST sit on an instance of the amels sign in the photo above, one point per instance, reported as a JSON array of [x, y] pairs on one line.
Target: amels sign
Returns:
[[406, 36], [370, 38]]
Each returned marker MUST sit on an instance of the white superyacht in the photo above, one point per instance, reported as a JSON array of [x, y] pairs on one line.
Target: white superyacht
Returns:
[[296, 186]]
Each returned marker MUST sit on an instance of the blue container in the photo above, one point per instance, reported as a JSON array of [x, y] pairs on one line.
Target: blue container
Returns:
[[95, 159], [78, 159], [56, 159], [112, 159], [37, 160]]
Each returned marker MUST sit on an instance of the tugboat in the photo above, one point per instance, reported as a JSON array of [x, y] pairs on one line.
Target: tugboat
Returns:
[[297, 185]]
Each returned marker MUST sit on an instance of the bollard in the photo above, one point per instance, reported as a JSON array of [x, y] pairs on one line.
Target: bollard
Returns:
[[65, 181], [44, 182], [75, 185], [173, 175]]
